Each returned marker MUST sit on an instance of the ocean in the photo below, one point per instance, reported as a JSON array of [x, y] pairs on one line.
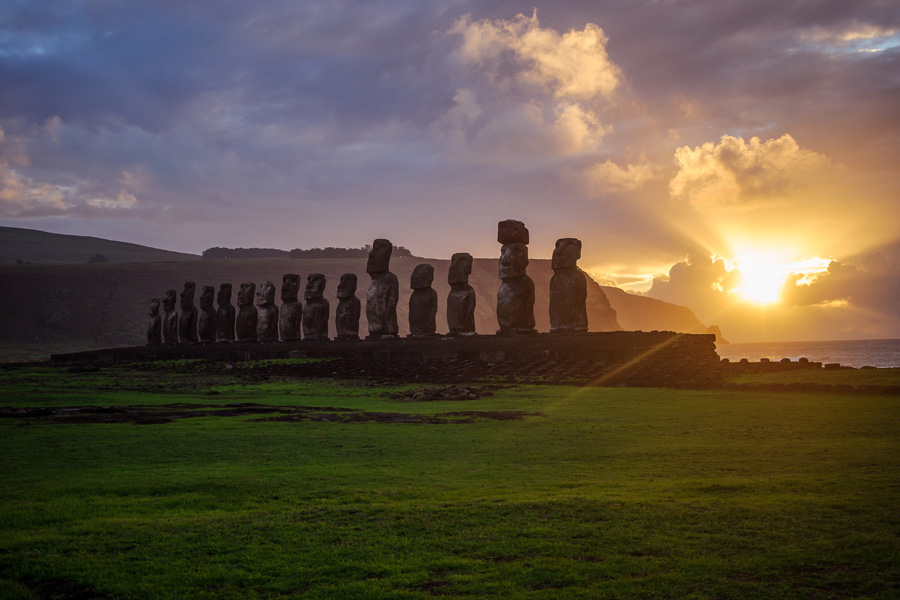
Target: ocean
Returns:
[[849, 353]]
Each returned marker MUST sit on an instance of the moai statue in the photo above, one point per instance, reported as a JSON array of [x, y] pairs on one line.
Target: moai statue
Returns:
[[461, 300], [187, 324], [245, 323], [170, 321], [346, 315], [381, 299], [515, 299], [290, 318], [225, 314], [206, 323], [315, 315], [154, 330], [267, 313], [423, 302], [568, 289]]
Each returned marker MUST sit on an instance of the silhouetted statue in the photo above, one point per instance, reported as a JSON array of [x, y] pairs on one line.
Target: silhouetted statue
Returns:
[[187, 324], [423, 302], [267, 313], [381, 299], [170, 322], [346, 315], [225, 314], [461, 300], [515, 298], [206, 323], [291, 316], [315, 315], [245, 324], [568, 289], [154, 329]]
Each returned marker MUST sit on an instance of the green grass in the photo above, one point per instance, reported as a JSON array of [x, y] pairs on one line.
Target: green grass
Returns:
[[624, 493], [881, 377]]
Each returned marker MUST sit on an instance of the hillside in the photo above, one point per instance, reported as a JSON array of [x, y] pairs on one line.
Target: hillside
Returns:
[[40, 247], [642, 312], [83, 306]]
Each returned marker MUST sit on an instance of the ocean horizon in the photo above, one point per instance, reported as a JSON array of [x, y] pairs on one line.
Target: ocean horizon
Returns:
[[880, 353]]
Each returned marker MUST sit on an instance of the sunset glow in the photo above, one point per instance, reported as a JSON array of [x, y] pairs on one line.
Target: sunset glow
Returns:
[[761, 280]]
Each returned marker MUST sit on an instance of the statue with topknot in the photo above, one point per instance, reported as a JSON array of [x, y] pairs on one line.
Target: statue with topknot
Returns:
[[383, 293], [515, 298]]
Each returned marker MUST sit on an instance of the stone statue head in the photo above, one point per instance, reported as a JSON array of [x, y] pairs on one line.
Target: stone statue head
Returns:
[[347, 286], [246, 293], [154, 307], [266, 294], [290, 287], [513, 260], [169, 301], [187, 295], [207, 294], [460, 268], [224, 295], [566, 253], [315, 286], [380, 256], [421, 277]]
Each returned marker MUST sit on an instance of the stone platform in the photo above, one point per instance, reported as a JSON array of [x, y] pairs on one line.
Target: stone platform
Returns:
[[615, 347]]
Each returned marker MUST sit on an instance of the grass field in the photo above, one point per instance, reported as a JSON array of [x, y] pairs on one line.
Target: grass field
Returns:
[[594, 493]]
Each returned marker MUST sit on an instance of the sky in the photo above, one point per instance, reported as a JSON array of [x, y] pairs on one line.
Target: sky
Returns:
[[740, 158]]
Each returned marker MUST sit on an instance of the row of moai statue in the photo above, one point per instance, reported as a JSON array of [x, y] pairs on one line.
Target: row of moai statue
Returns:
[[266, 322]]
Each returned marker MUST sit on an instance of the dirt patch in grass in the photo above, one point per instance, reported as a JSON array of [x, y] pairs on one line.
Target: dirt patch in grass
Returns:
[[167, 413], [62, 589]]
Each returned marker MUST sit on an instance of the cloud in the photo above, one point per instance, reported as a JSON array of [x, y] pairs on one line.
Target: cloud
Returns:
[[123, 200], [851, 299], [22, 196], [701, 282], [735, 171], [855, 36], [608, 176], [573, 65], [871, 283], [529, 91]]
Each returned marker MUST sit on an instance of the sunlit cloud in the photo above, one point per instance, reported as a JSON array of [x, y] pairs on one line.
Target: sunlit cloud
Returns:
[[573, 65], [855, 37], [609, 176], [739, 172], [22, 196], [531, 91]]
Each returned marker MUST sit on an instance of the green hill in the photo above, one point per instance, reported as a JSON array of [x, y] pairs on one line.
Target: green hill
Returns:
[[19, 245]]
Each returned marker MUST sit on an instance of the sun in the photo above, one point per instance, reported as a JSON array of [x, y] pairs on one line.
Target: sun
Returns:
[[761, 280]]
